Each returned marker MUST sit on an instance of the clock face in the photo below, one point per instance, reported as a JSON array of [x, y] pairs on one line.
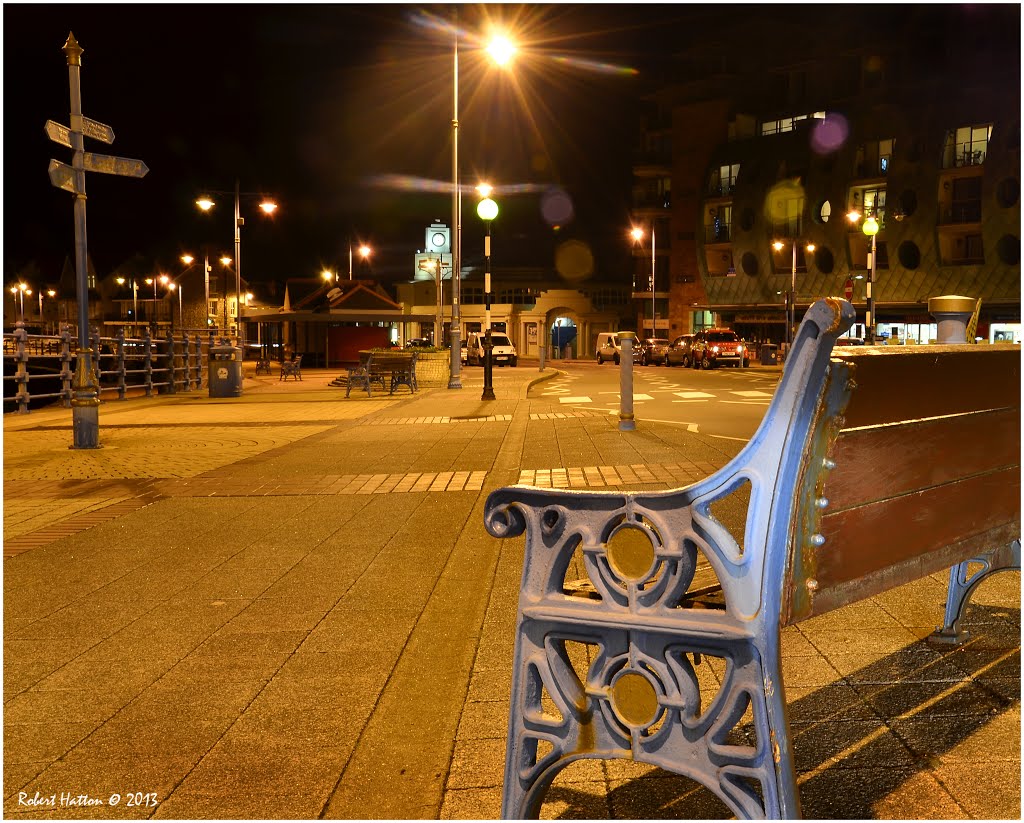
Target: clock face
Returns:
[[437, 239]]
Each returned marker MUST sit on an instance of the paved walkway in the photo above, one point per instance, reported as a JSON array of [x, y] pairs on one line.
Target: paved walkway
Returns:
[[284, 605]]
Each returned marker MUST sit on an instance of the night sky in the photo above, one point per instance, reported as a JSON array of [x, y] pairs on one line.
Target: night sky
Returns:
[[324, 107]]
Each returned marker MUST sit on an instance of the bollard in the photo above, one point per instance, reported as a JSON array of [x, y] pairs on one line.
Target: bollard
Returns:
[[952, 313], [626, 421], [541, 368]]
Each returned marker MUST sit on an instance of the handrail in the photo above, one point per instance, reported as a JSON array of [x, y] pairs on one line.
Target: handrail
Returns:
[[120, 363]]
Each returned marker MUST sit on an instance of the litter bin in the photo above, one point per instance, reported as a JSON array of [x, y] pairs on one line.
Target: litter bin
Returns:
[[225, 371], [769, 354]]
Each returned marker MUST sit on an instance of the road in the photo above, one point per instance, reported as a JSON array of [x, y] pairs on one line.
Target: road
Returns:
[[724, 402]]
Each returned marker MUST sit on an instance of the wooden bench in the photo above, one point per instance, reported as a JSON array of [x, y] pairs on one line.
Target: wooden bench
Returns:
[[263, 366], [389, 369], [874, 466]]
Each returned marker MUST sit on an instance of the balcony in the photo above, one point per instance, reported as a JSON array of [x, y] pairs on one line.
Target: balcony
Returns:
[[964, 155], [960, 213], [725, 188], [722, 233]]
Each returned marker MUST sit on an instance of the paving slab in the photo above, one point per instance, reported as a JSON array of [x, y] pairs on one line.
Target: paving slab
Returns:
[[285, 606]]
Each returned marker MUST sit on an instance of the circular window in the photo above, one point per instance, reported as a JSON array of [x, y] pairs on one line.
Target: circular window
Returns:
[[823, 212], [909, 255], [1007, 192], [908, 202], [1008, 249], [823, 260], [747, 219], [749, 264]]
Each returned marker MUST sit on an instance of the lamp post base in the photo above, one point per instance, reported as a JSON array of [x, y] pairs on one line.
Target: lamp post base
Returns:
[[85, 405]]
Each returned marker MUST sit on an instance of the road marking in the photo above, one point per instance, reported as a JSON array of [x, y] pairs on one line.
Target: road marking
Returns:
[[693, 395], [751, 393], [635, 396], [748, 402], [690, 427], [575, 400]]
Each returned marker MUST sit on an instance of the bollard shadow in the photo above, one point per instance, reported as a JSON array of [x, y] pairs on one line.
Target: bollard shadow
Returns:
[[855, 741]]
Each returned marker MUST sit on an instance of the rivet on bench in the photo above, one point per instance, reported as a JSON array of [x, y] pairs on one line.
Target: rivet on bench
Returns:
[[818, 539], [821, 502], [812, 585], [828, 464]]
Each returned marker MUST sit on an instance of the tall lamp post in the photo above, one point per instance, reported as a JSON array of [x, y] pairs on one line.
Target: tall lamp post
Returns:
[[638, 235], [268, 207], [487, 209], [20, 291], [778, 245], [135, 300], [364, 253], [870, 228]]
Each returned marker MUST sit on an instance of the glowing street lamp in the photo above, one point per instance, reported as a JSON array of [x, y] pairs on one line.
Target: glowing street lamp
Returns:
[[638, 234], [778, 245], [487, 210], [870, 228], [135, 299], [364, 252], [268, 207], [20, 291]]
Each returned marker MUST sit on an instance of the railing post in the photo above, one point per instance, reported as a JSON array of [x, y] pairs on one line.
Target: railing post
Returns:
[[627, 423], [147, 341], [94, 341], [172, 372], [122, 375], [21, 375], [65, 363]]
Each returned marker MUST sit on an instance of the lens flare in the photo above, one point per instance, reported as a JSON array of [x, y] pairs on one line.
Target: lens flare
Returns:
[[829, 134], [574, 260], [594, 65], [556, 207]]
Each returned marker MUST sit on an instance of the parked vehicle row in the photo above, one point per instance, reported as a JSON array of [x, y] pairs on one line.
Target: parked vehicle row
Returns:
[[706, 349]]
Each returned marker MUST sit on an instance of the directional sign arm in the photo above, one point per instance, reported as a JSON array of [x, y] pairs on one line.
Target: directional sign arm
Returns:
[[106, 164], [58, 133], [62, 175], [90, 128]]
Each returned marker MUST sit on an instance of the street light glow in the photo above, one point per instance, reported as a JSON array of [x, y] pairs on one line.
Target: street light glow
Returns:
[[365, 251], [484, 189], [205, 203], [487, 209], [870, 227], [501, 49], [187, 259], [268, 206], [327, 275], [225, 261], [637, 234]]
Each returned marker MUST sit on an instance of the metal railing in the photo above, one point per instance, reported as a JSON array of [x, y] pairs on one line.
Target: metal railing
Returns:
[[147, 363]]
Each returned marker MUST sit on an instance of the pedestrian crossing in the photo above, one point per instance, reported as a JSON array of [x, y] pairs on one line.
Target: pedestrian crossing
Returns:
[[561, 391]]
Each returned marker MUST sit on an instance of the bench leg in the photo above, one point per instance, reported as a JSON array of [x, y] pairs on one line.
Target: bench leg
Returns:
[[641, 699], [962, 585]]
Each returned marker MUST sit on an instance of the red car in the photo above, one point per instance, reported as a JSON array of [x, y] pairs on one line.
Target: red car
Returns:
[[712, 347]]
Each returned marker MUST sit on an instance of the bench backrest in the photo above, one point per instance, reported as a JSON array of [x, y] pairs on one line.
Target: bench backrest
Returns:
[[392, 360], [914, 466]]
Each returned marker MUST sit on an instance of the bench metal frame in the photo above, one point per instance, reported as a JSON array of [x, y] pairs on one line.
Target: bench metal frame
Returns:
[[641, 697], [389, 369]]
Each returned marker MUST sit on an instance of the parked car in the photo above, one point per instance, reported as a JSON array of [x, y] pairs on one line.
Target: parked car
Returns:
[[652, 351], [608, 347], [464, 345], [712, 347], [502, 351], [418, 343], [679, 353], [850, 341]]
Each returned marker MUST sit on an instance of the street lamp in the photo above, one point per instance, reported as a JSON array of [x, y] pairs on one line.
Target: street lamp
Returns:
[[778, 245], [870, 228], [268, 207], [501, 50], [638, 234], [487, 210], [135, 299], [364, 252], [21, 290]]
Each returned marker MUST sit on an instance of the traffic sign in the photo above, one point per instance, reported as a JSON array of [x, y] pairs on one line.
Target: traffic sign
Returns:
[[58, 133], [62, 175], [124, 166], [90, 128], [848, 289]]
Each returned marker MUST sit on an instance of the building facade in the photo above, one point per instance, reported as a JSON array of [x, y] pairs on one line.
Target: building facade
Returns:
[[759, 182]]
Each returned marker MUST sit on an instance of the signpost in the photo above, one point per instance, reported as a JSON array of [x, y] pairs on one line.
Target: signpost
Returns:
[[85, 402]]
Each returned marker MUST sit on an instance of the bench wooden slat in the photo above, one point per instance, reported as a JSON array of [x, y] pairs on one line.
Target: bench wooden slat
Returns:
[[894, 384], [876, 463]]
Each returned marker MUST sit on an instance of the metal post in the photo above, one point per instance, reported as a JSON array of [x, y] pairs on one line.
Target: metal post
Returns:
[[206, 286], [85, 405], [626, 421], [654, 308], [791, 309], [350, 258], [869, 319], [488, 393], [438, 317], [238, 269], [454, 374]]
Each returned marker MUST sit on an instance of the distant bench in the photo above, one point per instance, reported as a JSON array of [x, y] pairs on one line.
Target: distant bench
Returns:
[[873, 467], [389, 369]]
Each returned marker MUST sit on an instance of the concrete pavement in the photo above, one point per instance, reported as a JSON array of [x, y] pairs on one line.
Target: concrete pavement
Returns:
[[284, 605]]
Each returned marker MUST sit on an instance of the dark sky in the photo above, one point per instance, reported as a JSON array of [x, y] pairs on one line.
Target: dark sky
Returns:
[[312, 104]]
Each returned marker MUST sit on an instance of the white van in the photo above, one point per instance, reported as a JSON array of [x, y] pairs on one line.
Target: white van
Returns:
[[608, 347], [502, 351]]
